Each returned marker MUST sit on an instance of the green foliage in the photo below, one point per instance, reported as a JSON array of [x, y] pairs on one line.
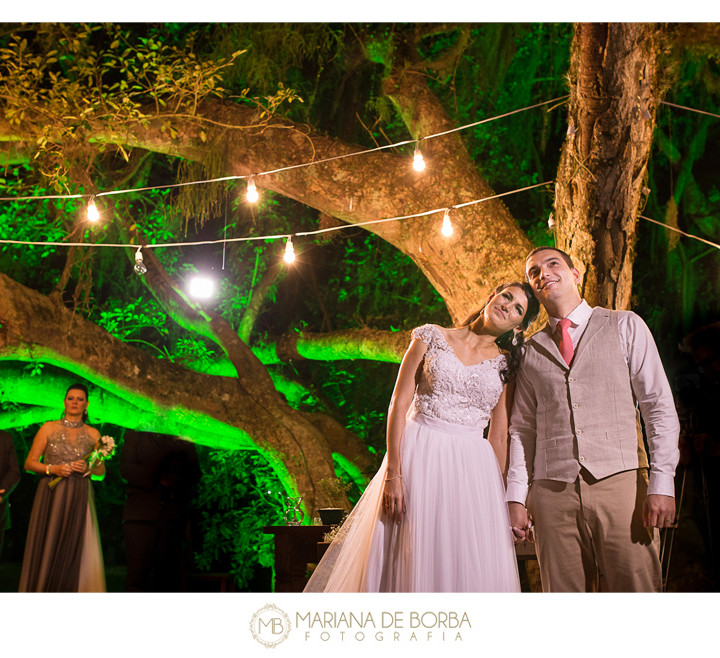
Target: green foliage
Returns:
[[369, 283], [130, 322], [107, 75], [676, 277], [123, 321], [294, 54], [34, 368], [40, 221], [379, 45], [61, 69], [237, 497], [522, 149], [195, 350]]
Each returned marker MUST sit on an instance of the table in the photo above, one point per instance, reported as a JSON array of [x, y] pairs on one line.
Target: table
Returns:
[[295, 547]]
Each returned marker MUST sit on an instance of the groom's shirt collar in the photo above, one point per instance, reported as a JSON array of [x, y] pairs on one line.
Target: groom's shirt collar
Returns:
[[579, 316]]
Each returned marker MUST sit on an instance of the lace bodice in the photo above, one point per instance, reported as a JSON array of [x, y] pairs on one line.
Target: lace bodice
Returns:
[[450, 390], [65, 445]]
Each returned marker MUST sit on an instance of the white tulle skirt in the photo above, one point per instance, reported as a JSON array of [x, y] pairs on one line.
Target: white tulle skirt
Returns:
[[455, 535]]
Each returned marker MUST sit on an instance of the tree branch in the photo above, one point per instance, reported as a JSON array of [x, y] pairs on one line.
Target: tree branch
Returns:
[[35, 328], [359, 188]]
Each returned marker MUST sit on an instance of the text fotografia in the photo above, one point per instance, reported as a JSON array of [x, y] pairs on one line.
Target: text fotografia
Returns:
[[398, 626]]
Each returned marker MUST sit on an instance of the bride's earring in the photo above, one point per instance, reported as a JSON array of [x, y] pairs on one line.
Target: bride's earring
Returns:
[[515, 339]]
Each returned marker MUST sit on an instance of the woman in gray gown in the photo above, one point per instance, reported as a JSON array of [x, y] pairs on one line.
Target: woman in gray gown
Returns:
[[62, 551]]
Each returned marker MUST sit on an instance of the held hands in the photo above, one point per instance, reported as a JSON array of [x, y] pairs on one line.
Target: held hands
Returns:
[[520, 522], [659, 511], [393, 498]]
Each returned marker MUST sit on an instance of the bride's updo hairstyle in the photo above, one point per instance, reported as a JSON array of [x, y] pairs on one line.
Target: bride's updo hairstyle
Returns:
[[505, 341]]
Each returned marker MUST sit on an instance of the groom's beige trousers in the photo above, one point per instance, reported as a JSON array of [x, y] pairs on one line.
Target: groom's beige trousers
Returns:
[[590, 535]]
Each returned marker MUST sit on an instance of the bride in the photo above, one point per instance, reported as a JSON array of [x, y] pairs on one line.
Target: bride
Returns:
[[434, 517]]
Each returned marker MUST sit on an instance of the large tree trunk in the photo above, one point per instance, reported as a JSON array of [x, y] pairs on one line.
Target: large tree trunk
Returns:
[[613, 79]]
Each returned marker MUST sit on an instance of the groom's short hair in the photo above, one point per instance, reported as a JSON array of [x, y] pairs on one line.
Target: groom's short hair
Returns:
[[563, 255]]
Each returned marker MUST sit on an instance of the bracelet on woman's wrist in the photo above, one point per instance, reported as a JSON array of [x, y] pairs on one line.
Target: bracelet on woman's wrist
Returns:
[[47, 469], [393, 478]]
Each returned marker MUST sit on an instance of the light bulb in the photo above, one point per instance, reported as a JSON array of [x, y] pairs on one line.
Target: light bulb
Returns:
[[252, 194], [418, 160], [92, 212], [201, 287], [140, 267], [447, 227], [289, 256]]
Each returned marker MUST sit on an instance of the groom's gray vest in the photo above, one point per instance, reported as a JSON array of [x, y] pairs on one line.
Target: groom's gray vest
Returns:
[[586, 412]]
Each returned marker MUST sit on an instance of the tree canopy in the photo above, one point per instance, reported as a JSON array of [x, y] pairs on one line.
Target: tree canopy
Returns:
[[295, 363]]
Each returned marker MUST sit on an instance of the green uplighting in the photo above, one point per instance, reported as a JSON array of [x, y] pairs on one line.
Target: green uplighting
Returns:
[[344, 466]]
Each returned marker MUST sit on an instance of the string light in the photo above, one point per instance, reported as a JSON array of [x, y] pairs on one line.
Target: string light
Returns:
[[252, 193], [341, 227], [418, 160], [250, 238], [92, 212], [301, 165], [140, 267], [571, 132], [447, 227], [289, 256]]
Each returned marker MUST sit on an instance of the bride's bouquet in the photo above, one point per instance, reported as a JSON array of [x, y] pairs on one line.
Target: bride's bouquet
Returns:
[[105, 449]]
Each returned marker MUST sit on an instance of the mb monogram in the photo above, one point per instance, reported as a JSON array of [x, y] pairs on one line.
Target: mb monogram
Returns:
[[270, 625]]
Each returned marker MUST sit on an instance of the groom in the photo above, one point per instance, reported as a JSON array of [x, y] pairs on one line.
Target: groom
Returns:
[[575, 438]]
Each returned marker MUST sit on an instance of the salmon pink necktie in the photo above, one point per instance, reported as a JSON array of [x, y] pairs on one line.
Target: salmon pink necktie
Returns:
[[566, 346]]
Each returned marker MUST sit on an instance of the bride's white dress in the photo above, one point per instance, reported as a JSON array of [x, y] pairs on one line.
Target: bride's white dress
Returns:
[[455, 535]]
